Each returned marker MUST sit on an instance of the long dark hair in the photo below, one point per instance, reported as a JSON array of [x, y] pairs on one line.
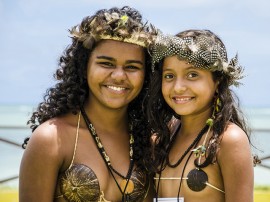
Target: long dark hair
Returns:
[[159, 113], [71, 90]]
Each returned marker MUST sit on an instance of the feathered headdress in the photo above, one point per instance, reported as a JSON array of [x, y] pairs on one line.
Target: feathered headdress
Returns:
[[110, 24], [201, 51]]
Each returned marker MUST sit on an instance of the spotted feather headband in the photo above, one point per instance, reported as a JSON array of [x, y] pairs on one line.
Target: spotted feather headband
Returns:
[[113, 26], [200, 51]]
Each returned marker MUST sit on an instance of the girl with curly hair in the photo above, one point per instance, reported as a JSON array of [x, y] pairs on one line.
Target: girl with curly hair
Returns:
[[90, 133], [202, 146]]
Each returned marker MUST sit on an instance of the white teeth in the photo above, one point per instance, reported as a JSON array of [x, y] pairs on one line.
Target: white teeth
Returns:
[[182, 99], [116, 88]]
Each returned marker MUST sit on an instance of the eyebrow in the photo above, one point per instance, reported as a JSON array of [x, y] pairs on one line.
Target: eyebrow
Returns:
[[112, 59], [106, 58], [134, 61], [165, 68]]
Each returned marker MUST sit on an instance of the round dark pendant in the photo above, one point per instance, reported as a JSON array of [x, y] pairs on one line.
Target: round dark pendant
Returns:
[[197, 179]]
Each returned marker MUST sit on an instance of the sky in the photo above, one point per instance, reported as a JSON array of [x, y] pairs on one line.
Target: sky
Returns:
[[34, 34]]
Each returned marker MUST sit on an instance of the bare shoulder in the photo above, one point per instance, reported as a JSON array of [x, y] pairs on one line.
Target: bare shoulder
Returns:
[[44, 157], [47, 133], [233, 136], [234, 144], [236, 165], [50, 136]]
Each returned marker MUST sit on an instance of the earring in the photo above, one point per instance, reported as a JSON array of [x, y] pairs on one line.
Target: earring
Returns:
[[217, 104]]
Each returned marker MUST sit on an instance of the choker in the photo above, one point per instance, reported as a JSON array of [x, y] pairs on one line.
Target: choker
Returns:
[[126, 186]]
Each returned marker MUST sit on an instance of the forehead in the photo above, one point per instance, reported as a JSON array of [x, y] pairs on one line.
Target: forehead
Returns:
[[117, 49], [173, 62]]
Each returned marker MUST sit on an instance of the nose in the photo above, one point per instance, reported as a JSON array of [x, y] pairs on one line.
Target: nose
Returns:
[[180, 86], [119, 74]]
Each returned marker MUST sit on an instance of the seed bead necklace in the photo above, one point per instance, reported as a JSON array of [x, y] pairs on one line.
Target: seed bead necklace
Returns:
[[126, 186]]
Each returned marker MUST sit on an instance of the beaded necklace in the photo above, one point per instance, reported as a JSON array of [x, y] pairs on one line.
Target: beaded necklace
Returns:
[[126, 186], [196, 140], [193, 173]]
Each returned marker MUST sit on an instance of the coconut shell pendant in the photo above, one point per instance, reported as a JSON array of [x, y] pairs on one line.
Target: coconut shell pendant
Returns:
[[197, 179]]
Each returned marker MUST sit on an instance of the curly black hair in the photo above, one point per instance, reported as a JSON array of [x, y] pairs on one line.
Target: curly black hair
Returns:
[[159, 112], [71, 90]]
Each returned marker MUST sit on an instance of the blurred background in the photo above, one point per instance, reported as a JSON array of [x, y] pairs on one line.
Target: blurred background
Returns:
[[33, 34]]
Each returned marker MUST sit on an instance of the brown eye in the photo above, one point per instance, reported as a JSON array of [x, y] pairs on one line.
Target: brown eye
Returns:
[[106, 64], [192, 75], [132, 67], [168, 76]]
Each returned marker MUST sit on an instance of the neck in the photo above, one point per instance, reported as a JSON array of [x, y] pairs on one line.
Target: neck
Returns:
[[115, 120], [191, 125]]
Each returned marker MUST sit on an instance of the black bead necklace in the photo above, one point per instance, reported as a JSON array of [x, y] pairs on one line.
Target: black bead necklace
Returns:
[[196, 140], [126, 186], [192, 145]]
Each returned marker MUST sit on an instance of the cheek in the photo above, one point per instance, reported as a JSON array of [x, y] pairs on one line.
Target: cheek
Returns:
[[89, 72], [165, 89], [139, 80], [208, 91], [91, 78]]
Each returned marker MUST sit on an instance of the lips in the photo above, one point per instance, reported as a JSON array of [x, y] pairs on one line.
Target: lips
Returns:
[[117, 89], [182, 99]]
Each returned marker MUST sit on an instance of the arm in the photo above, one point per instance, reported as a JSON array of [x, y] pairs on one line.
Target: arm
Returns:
[[236, 165], [40, 165]]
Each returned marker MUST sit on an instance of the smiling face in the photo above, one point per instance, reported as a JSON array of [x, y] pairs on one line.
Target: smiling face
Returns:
[[115, 73], [186, 89]]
